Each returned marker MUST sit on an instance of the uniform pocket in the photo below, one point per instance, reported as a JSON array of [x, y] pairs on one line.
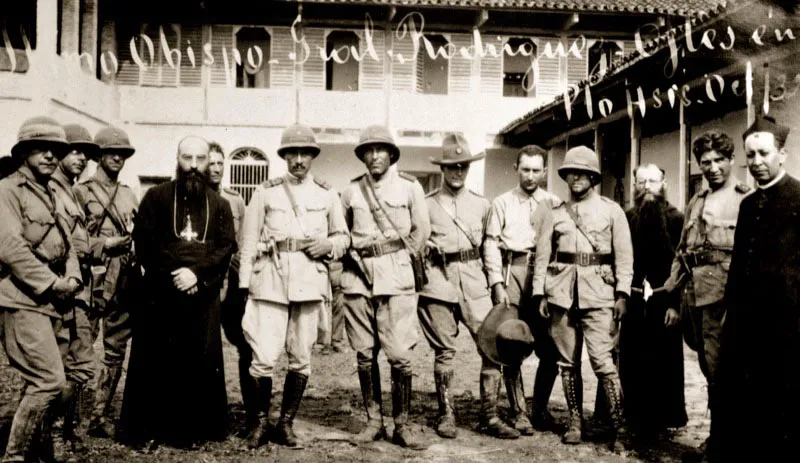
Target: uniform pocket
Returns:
[[38, 223], [317, 218], [277, 217], [397, 209]]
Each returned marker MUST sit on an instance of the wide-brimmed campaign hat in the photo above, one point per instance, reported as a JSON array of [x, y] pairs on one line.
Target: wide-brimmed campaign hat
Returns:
[[503, 338], [40, 131], [455, 150], [113, 139]]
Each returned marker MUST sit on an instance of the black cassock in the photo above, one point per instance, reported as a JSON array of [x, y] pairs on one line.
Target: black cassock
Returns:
[[759, 364], [175, 389], [651, 355]]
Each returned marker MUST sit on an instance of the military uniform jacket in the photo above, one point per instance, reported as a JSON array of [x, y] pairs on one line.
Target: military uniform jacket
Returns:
[[605, 221], [94, 195], [270, 216], [404, 200], [237, 209], [513, 225], [30, 238], [716, 212], [465, 280]]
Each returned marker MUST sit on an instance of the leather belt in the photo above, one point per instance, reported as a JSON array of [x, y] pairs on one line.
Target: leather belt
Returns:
[[380, 248], [465, 255], [641, 290], [292, 245], [711, 257], [584, 259], [518, 258]]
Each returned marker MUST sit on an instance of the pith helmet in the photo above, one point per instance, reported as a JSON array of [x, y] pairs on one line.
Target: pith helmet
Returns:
[[503, 338], [377, 135], [40, 131], [80, 139], [113, 139], [582, 159], [298, 136], [455, 150]]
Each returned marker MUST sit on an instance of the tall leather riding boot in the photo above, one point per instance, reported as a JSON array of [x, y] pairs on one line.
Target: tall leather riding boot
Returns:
[[516, 400], [27, 419], [101, 424], [572, 384], [490, 423], [51, 447], [370, 380], [260, 434], [401, 406], [293, 389], [615, 411], [546, 375], [249, 396], [601, 416], [73, 417], [446, 421]]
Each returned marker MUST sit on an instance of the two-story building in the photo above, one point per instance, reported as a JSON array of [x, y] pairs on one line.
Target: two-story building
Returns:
[[238, 72]]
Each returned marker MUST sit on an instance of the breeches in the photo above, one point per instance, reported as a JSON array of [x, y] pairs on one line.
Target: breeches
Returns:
[[75, 338], [116, 322], [270, 327], [707, 325], [570, 328], [387, 322]]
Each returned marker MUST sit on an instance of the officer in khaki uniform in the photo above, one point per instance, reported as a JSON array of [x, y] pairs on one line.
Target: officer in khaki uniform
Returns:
[[75, 336], [705, 250], [378, 280], [39, 274], [457, 290], [109, 207], [510, 252], [586, 284], [292, 227]]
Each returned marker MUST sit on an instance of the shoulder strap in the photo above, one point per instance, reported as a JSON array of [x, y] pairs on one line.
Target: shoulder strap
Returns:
[[375, 205], [50, 203], [106, 210], [578, 225], [457, 222]]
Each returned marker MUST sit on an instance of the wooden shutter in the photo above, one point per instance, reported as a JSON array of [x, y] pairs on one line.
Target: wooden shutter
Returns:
[[191, 36], [222, 38], [314, 67], [460, 67], [282, 72], [372, 71], [549, 82], [403, 78], [492, 73]]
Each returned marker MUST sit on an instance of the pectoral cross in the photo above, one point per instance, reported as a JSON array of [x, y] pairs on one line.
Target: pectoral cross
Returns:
[[187, 233]]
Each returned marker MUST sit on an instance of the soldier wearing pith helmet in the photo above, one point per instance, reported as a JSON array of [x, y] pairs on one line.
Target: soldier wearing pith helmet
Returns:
[[389, 224], [457, 289], [43, 274], [292, 228], [586, 284]]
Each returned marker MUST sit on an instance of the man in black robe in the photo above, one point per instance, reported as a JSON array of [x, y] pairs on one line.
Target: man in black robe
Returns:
[[651, 343], [759, 369], [184, 237]]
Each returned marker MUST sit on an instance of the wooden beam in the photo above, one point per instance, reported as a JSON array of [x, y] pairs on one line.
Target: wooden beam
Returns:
[[391, 12], [481, 18], [683, 157], [636, 148], [571, 21]]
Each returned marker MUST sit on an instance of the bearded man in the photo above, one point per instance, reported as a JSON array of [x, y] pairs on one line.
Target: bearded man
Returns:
[[651, 343], [184, 237]]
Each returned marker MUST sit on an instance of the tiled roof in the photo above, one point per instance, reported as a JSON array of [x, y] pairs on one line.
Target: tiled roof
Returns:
[[668, 7]]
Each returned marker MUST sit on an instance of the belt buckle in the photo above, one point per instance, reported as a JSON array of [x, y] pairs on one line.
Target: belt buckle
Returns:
[[691, 259], [291, 245], [375, 249], [464, 255], [584, 259]]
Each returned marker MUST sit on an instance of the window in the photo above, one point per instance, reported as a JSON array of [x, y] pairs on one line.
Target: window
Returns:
[[341, 76], [253, 39], [249, 168], [518, 76], [432, 73], [602, 55]]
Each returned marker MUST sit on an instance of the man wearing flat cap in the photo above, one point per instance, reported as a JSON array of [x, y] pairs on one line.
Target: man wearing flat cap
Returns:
[[457, 290], [292, 227], [759, 364], [41, 275], [389, 225], [586, 285], [109, 207]]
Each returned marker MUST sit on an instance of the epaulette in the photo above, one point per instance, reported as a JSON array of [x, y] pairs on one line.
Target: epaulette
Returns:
[[230, 191], [476, 193], [432, 193], [407, 176], [358, 178], [273, 182], [742, 188], [322, 183]]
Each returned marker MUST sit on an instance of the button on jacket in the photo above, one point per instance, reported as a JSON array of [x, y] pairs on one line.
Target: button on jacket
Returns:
[[270, 216]]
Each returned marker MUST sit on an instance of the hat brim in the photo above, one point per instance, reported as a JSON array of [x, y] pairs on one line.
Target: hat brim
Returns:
[[125, 152], [394, 151], [22, 148], [87, 148], [452, 162], [283, 149], [564, 170], [487, 334]]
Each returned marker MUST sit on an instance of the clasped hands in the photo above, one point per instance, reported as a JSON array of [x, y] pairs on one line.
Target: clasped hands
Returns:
[[64, 288], [185, 280]]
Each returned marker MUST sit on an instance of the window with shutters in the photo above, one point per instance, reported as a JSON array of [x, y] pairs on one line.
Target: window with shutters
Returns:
[[254, 45], [518, 77], [249, 168], [602, 55], [341, 76], [161, 73], [433, 72]]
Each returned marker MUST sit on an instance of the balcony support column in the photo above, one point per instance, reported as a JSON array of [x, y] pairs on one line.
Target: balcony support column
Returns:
[[89, 26]]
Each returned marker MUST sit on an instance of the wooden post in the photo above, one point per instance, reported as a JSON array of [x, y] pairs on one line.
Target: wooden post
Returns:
[[683, 157], [636, 155]]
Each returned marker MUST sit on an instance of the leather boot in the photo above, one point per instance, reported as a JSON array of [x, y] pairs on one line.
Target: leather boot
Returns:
[[575, 406], [51, 447], [27, 419], [516, 400], [249, 397], [401, 406], [101, 424], [260, 434], [293, 389], [490, 423], [446, 421], [614, 396], [73, 416], [546, 375], [370, 380]]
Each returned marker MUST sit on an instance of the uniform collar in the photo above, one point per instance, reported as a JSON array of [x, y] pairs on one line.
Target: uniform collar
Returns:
[[292, 180], [61, 178], [101, 177], [388, 177], [28, 174], [538, 194], [447, 191], [772, 182]]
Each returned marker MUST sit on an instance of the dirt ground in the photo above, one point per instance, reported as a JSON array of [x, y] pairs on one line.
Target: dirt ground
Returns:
[[331, 410]]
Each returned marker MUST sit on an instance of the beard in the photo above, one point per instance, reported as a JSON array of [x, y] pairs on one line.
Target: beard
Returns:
[[650, 226], [192, 182]]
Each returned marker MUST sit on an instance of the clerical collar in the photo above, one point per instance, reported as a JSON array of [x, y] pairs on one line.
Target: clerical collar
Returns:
[[773, 181], [188, 234]]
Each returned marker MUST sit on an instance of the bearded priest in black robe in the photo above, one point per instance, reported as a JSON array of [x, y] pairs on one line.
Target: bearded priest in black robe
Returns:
[[184, 238], [651, 342]]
